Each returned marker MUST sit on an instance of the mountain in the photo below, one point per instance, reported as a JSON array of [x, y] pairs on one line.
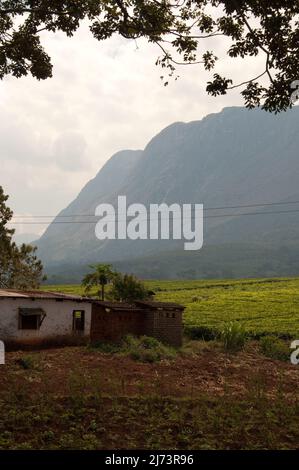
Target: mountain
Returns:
[[65, 241], [233, 158]]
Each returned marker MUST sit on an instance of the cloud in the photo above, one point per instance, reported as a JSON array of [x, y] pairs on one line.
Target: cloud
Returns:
[[56, 134], [69, 151]]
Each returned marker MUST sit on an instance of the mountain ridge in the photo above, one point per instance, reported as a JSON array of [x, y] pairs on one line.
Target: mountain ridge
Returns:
[[237, 155]]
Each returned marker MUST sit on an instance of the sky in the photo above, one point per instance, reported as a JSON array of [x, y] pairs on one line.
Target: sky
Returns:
[[55, 135]]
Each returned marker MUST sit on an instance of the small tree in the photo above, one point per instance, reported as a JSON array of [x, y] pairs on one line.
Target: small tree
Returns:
[[100, 277], [19, 267], [127, 288]]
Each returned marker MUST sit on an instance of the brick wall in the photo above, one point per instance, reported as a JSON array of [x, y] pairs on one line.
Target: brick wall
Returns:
[[113, 325], [165, 324]]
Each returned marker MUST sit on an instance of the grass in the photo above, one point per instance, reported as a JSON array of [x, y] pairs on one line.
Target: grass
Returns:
[[263, 306], [148, 423], [275, 348], [233, 337]]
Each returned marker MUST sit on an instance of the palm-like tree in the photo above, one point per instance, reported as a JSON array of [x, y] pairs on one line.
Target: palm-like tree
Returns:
[[101, 276]]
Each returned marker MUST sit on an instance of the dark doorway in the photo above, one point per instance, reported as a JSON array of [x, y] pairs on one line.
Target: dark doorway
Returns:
[[78, 321]]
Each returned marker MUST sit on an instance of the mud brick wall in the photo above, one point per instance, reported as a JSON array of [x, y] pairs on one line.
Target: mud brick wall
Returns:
[[112, 325], [166, 325]]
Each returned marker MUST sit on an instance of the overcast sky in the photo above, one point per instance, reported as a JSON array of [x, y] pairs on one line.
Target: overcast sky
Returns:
[[56, 134]]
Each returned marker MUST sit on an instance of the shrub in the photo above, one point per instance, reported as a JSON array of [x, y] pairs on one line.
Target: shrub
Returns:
[[106, 347], [143, 349], [198, 347], [148, 342], [275, 348], [233, 337], [147, 349], [200, 332], [27, 362]]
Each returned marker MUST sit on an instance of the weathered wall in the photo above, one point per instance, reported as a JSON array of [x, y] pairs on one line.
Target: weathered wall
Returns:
[[165, 325], [114, 325], [58, 322], [101, 324]]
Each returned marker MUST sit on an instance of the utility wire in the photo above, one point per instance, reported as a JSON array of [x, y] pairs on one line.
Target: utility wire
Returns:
[[205, 208], [149, 219]]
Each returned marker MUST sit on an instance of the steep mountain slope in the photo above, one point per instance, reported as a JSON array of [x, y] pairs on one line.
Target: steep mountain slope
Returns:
[[66, 241], [236, 157]]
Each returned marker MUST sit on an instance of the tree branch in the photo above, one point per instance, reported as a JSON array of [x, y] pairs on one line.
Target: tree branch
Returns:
[[169, 57], [17, 11], [248, 81]]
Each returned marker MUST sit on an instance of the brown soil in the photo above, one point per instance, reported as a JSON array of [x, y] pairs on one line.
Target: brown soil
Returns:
[[209, 371]]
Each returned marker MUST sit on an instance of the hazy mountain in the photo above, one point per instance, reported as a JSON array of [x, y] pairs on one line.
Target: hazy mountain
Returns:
[[68, 241], [233, 158]]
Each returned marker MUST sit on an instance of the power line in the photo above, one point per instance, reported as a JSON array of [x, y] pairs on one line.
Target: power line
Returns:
[[149, 219], [205, 209]]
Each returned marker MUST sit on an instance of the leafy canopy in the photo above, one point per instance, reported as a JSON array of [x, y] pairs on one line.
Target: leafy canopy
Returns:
[[19, 266], [127, 288], [180, 29], [101, 275]]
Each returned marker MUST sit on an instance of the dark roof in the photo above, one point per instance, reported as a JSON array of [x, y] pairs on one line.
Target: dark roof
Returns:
[[39, 294], [155, 305], [115, 305], [138, 303]]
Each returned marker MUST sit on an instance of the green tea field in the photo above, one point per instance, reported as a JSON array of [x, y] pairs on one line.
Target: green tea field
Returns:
[[262, 306]]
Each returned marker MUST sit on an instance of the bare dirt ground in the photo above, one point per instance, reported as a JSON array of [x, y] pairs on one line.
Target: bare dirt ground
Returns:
[[204, 398], [208, 371]]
